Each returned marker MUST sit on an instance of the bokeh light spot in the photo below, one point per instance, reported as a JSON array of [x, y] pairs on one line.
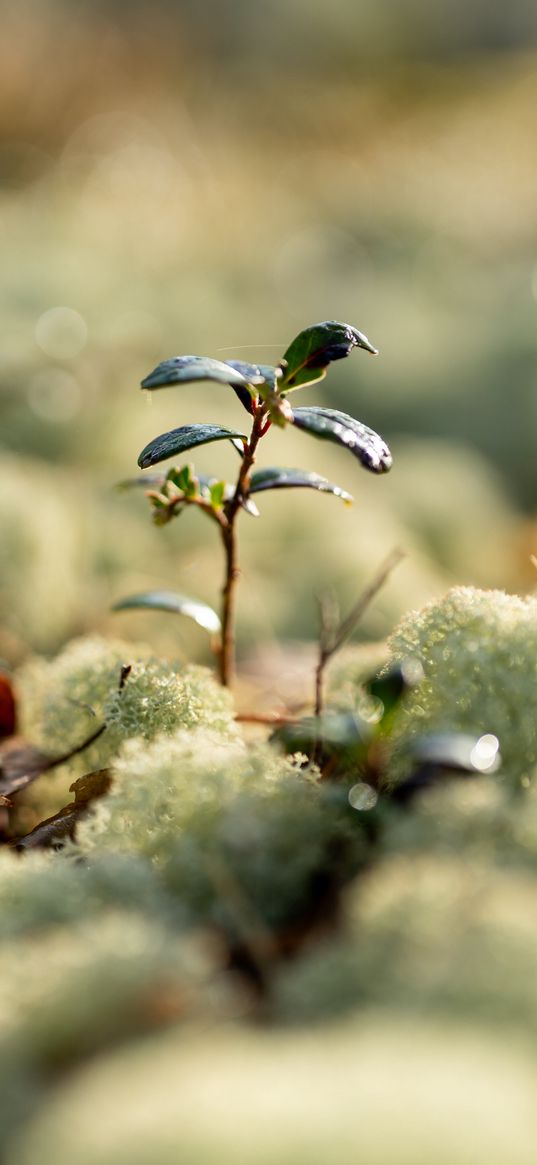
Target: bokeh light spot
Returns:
[[61, 333], [362, 796], [484, 755]]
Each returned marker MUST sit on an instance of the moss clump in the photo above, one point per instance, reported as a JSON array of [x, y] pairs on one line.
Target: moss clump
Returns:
[[44, 890], [239, 834], [482, 819], [429, 934], [64, 699], [376, 1089], [70, 990], [479, 654]]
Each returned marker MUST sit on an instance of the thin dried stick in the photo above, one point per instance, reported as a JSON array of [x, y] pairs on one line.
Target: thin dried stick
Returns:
[[334, 632]]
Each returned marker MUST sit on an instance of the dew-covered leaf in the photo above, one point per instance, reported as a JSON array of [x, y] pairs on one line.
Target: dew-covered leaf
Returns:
[[310, 353], [333, 425], [179, 440], [255, 374], [177, 604], [186, 369], [239, 374], [264, 479]]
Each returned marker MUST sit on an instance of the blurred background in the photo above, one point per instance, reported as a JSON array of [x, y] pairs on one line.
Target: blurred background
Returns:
[[211, 178]]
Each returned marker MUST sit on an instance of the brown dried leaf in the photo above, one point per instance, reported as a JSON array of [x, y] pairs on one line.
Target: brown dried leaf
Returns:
[[63, 824]]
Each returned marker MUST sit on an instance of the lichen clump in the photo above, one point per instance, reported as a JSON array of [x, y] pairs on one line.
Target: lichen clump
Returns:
[[64, 699], [240, 835], [479, 655]]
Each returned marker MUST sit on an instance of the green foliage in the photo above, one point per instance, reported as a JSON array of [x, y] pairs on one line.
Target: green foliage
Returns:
[[309, 355], [478, 650], [332, 425], [179, 440], [264, 479], [177, 604], [263, 391], [185, 369]]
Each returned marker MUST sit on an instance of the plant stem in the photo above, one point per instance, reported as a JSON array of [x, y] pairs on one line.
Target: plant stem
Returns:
[[232, 573], [229, 539], [332, 636]]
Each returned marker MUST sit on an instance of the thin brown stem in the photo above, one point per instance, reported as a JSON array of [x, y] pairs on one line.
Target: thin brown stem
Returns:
[[319, 683], [229, 540], [232, 574], [329, 622], [332, 637]]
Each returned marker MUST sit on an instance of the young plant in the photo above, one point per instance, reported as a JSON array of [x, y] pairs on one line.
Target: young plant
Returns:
[[263, 391]]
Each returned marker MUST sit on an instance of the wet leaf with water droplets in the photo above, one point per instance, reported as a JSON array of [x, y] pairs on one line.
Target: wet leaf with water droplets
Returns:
[[264, 479], [333, 425], [179, 440], [310, 353]]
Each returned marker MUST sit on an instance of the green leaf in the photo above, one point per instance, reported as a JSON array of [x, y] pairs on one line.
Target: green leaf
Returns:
[[294, 478], [259, 375], [207, 485], [333, 425], [184, 480], [309, 355], [242, 376], [178, 440], [217, 492], [186, 369], [177, 604], [256, 374], [394, 683]]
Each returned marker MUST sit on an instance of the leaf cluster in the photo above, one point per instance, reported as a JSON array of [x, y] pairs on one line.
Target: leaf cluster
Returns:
[[263, 391]]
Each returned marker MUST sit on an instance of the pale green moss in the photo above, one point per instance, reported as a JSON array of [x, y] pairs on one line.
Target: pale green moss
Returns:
[[479, 654], [377, 1090], [66, 698], [42, 890], [481, 819], [70, 990], [429, 934], [237, 832]]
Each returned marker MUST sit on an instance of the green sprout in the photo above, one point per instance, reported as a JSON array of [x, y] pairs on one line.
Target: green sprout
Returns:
[[263, 391]]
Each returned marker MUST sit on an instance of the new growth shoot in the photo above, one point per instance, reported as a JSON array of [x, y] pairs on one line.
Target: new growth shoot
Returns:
[[263, 391]]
